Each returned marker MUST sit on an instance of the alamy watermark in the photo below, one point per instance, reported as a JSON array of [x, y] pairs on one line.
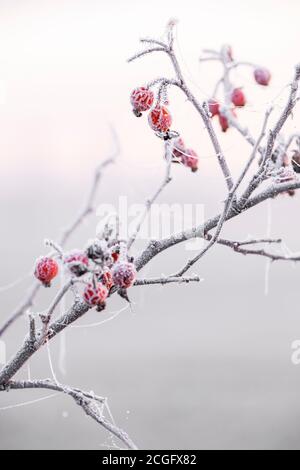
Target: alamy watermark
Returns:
[[161, 220]]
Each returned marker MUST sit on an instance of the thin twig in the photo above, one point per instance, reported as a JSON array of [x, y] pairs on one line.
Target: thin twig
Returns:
[[166, 280], [258, 240], [153, 41], [145, 52], [238, 247]]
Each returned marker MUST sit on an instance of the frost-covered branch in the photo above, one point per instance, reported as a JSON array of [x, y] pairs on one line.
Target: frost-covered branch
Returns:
[[239, 248], [86, 400], [30, 346], [166, 280], [158, 246]]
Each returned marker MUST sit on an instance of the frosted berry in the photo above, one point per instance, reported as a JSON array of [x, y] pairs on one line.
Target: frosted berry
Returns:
[[223, 122], [262, 76], [141, 99], [238, 97], [96, 249], [45, 270], [95, 294], [160, 119], [213, 107], [190, 159], [115, 253], [107, 279], [77, 262], [124, 274]]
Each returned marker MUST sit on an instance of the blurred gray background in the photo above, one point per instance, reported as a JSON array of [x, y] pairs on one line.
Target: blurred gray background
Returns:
[[198, 366]]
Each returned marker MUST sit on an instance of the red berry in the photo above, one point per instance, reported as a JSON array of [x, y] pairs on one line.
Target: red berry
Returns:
[[160, 119], [213, 107], [141, 99], [223, 122], [95, 295], [45, 270], [124, 274], [115, 253], [262, 76], [190, 159], [77, 262], [238, 97], [107, 278]]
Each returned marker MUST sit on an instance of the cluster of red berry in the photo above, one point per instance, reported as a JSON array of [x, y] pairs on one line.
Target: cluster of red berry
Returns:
[[159, 118], [101, 260], [160, 121], [262, 76]]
